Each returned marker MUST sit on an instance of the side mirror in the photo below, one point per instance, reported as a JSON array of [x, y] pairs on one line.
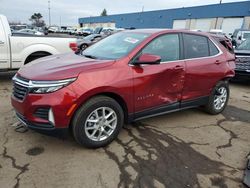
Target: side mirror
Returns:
[[148, 59]]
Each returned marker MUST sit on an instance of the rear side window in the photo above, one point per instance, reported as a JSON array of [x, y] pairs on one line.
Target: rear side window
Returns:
[[212, 48], [195, 46]]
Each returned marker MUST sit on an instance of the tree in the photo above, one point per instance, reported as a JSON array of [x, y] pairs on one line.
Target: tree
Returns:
[[37, 20], [104, 12]]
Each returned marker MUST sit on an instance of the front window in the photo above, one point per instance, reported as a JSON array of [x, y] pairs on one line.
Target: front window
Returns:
[[115, 46], [165, 46], [244, 45]]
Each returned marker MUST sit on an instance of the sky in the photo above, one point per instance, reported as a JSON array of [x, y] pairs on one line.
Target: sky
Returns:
[[68, 11]]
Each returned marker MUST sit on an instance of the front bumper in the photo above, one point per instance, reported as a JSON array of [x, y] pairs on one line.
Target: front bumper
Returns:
[[33, 125], [60, 102]]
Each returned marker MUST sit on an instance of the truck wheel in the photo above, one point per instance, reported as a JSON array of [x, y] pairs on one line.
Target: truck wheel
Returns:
[[97, 122], [218, 98]]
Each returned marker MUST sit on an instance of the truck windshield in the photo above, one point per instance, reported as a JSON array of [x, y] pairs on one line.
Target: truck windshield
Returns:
[[244, 45], [115, 46]]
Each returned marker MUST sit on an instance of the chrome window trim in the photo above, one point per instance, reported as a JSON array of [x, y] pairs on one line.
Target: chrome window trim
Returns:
[[181, 60]]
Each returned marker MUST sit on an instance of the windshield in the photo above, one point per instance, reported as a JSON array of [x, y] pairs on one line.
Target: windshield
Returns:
[[115, 46], [246, 35], [244, 45]]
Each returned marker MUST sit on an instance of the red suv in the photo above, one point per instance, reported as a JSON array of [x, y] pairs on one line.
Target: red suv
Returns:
[[123, 78]]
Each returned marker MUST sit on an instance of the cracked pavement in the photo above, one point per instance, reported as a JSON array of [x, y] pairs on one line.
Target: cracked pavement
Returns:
[[183, 149]]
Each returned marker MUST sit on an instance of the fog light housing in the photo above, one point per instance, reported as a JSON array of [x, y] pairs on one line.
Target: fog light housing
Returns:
[[51, 117]]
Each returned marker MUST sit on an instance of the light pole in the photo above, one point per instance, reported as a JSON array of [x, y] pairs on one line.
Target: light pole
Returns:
[[49, 12]]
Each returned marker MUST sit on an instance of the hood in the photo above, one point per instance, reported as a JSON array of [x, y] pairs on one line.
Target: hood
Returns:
[[58, 67]]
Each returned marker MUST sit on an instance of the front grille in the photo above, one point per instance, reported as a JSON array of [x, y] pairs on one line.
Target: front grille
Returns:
[[42, 113], [19, 91], [243, 63], [20, 87]]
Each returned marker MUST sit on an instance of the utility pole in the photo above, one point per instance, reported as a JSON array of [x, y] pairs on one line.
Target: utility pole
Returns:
[[60, 22], [220, 1], [49, 12], [142, 10]]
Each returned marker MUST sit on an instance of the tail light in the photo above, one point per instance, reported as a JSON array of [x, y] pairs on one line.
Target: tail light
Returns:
[[73, 46]]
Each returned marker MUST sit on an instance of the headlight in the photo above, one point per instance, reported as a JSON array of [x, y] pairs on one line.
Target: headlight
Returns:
[[49, 86]]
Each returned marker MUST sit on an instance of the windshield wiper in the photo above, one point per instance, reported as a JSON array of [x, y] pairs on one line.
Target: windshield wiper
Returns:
[[89, 56]]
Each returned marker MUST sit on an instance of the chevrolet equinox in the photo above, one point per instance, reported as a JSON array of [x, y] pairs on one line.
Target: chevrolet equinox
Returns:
[[123, 78]]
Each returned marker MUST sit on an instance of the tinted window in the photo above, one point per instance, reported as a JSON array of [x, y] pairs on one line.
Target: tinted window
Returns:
[[166, 46], [244, 45], [195, 46], [246, 35], [212, 48]]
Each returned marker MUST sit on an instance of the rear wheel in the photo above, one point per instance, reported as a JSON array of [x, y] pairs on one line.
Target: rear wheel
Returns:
[[98, 122], [84, 46], [218, 99]]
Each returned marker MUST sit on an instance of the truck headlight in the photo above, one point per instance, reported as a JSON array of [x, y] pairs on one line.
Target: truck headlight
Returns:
[[49, 86]]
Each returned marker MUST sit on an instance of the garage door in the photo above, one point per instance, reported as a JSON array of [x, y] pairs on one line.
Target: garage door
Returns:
[[230, 24], [179, 24], [203, 24]]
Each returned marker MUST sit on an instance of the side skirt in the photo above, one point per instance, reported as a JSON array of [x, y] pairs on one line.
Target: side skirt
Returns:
[[166, 109]]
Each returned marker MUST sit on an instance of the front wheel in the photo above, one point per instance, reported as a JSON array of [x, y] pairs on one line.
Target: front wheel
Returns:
[[218, 99], [98, 122]]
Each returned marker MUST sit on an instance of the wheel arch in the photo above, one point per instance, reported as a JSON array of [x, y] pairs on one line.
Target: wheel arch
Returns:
[[118, 98], [38, 54]]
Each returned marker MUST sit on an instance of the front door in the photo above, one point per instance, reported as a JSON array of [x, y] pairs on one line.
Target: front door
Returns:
[[159, 86]]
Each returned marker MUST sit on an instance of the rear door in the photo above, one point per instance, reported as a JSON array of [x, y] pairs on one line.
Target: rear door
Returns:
[[205, 65], [4, 49], [160, 85]]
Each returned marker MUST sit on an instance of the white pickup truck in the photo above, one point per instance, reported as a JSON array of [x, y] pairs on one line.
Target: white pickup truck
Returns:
[[17, 50]]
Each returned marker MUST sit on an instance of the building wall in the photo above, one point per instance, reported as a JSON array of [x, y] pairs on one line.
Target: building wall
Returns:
[[165, 18]]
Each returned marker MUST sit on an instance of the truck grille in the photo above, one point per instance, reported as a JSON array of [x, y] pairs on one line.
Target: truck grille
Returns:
[[20, 88], [243, 63]]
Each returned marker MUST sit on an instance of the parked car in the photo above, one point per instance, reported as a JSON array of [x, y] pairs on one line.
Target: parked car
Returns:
[[123, 78], [84, 32], [83, 43], [71, 31], [17, 49], [53, 29], [239, 36], [30, 31], [242, 53]]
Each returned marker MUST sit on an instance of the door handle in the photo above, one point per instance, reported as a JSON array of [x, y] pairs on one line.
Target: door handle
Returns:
[[218, 62], [178, 67], [1, 42]]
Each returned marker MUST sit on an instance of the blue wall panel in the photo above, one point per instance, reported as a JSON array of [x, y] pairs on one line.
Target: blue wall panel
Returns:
[[165, 18]]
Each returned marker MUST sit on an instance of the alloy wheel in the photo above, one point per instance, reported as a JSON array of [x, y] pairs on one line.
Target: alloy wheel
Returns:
[[100, 124]]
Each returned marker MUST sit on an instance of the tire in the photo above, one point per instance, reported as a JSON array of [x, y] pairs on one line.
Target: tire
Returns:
[[220, 93], [83, 47], [87, 127]]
